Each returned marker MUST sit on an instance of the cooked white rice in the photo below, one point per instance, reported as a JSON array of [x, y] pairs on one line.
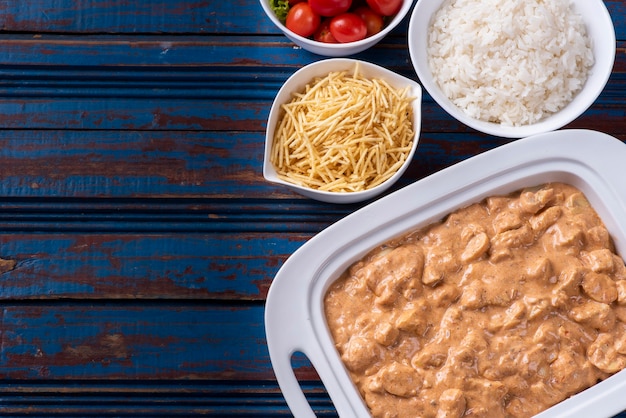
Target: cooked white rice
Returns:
[[511, 62]]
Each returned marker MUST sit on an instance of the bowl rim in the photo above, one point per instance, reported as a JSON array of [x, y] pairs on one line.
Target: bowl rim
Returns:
[[294, 319], [320, 68], [370, 40], [604, 59]]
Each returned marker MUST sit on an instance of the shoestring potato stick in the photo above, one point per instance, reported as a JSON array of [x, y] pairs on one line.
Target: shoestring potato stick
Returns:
[[344, 133]]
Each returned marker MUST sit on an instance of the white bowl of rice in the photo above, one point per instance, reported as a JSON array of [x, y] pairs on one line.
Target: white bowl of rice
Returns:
[[342, 130], [512, 68]]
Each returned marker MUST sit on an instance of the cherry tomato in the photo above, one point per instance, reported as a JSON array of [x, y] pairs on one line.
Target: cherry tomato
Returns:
[[322, 34], [385, 7], [330, 7], [302, 20], [348, 27], [294, 2], [373, 21]]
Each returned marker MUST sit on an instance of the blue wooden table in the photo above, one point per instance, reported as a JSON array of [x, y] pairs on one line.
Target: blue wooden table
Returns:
[[139, 235]]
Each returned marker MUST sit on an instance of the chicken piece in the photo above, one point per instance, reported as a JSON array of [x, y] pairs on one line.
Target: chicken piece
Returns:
[[568, 238], [399, 379], [503, 243], [496, 204], [464, 357], [507, 220], [599, 287], [413, 318], [603, 354], [577, 202], [444, 295], [452, 404], [533, 202], [571, 373], [430, 356], [475, 248], [600, 261], [536, 306], [595, 314], [547, 335], [361, 353], [470, 231], [438, 264], [386, 334], [540, 270], [569, 281], [514, 315], [542, 221], [398, 270], [598, 237], [619, 268]]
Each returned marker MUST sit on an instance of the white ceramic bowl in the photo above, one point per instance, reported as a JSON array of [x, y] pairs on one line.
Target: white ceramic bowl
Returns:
[[304, 76], [600, 29], [341, 49], [294, 315]]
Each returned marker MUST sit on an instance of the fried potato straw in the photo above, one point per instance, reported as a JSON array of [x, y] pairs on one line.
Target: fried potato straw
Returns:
[[345, 133]]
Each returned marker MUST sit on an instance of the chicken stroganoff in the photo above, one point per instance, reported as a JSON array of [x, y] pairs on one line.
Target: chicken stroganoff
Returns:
[[503, 309]]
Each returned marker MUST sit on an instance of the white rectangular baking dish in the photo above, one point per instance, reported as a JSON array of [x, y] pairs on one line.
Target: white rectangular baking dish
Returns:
[[591, 161]]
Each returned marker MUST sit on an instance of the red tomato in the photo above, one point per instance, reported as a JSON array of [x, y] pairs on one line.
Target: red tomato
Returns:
[[348, 27], [322, 34], [385, 7], [330, 7], [302, 20], [294, 2], [373, 21]]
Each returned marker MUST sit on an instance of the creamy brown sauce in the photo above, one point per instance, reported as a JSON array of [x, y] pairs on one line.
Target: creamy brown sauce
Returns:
[[502, 309]]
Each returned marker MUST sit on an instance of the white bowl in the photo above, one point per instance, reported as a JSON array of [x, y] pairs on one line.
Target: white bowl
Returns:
[[294, 315], [599, 28], [341, 49], [304, 76]]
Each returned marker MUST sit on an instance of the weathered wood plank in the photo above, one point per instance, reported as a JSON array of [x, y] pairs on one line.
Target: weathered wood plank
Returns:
[[114, 358], [148, 17], [187, 63], [154, 16], [130, 164], [133, 266], [194, 166], [211, 114], [617, 9], [160, 16], [95, 341], [42, 90], [150, 341], [86, 398], [187, 58], [157, 399], [169, 164], [190, 51], [167, 215]]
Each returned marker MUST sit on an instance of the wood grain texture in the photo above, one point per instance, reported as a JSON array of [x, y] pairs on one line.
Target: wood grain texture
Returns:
[[162, 16], [133, 204]]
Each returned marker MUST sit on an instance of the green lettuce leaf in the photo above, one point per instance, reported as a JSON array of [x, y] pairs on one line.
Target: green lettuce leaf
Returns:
[[280, 8]]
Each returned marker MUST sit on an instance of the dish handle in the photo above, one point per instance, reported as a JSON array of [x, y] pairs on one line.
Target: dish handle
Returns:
[[287, 333], [289, 330]]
